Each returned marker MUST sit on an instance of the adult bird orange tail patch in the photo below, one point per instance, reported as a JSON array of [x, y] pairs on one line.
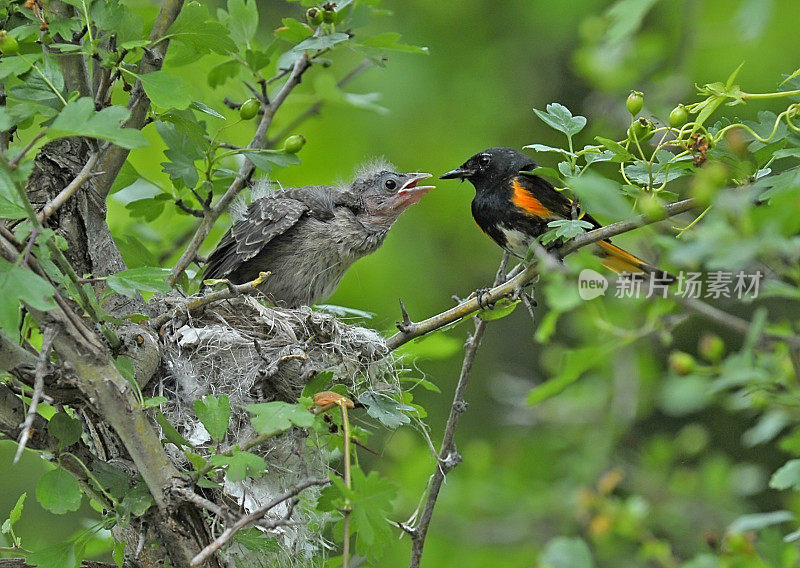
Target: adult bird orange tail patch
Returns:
[[619, 261]]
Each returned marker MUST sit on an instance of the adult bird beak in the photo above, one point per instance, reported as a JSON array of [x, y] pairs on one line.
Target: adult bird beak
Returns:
[[410, 193], [461, 173]]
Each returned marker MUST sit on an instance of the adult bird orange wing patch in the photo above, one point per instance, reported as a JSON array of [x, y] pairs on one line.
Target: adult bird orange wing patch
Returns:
[[523, 199]]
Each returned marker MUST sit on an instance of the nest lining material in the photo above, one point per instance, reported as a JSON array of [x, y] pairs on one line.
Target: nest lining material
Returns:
[[255, 353]]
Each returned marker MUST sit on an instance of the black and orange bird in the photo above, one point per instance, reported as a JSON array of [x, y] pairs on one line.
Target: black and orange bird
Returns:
[[514, 208]]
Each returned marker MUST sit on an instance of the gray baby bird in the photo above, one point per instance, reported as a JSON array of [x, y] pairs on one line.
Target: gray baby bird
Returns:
[[307, 237]]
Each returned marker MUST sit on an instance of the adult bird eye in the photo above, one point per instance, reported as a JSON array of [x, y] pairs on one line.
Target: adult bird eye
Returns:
[[390, 184], [483, 161]]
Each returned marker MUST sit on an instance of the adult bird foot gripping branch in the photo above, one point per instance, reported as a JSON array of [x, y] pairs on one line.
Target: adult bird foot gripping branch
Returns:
[[308, 237]]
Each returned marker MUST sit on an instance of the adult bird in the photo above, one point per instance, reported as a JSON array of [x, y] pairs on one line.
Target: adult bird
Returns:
[[514, 208], [307, 237]]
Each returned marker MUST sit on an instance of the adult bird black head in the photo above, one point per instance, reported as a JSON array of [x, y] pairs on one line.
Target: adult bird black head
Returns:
[[514, 207]]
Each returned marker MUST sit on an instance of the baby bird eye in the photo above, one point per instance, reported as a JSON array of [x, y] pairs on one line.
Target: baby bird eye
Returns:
[[390, 184]]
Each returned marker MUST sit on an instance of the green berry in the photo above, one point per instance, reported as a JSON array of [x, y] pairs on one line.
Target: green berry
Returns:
[[707, 182], [634, 102], [678, 116], [711, 348], [314, 16], [8, 45], [328, 16], [652, 207], [249, 109], [641, 130], [682, 363], [294, 143]]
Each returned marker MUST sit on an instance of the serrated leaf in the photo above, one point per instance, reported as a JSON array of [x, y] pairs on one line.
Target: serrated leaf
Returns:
[[144, 278], [79, 118], [240, 465], [215, 414], [253, 539], [545, 148], [68, 430], [11, 205], [59, 492], [371, 499], [384, 408], [35, 87], [242, 21], [219, 74], [389, 41], [615, 147], [203, 35], [165, 90], [293, 31], [277, 416], [16, 512], [560, 118], [321, 42]]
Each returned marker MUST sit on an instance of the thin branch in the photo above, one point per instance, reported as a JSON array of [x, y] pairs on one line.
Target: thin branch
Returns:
[[245, 171], [196, 304], [252, 517], [314, 109], [59, 200], [38, 388], [449, 457], [411, 330], [15, 162]]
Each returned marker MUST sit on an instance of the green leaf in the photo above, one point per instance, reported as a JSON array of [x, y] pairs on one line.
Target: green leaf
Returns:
[[127, 177], [18, 284], [293, 31], [321, 42], [126, 24], [544, 148], [59, 492], [35, 87], [214, 413], [559, 117], [600, 195], [134, 252], [11, 206], [371, 499], [184, 149], [206, 110], [113, 480], [563, 552], [253, 539], [219, 74], [62, 555], [389, 41], [79, 118], [242, 21], [317, 384], [196, 30], [277, 416], [16, 513], [68, 430], [787, 476], [502, 308], [169, 431], [385, 409], [758, 521], [265, 159], [573, 364], [240, 465], [165, 90], [138, 500], [149, 208], [626, 18], [144, 278]]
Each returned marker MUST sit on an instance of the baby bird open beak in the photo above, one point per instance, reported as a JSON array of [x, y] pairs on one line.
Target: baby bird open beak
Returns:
[[410, 193]]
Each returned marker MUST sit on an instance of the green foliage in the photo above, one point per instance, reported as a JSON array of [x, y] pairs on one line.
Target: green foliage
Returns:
[[58, 491], [275, 417], [240, 465], [214, 413]]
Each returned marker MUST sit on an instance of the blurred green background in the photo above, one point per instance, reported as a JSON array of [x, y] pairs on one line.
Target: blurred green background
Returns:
[[622, 458]]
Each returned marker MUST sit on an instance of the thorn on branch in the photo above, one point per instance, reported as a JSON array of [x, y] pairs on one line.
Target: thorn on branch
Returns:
[[406, 325]]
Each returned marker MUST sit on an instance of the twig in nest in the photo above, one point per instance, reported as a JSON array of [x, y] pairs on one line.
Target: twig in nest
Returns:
[[233, 290], [38, 387], [228, 533]]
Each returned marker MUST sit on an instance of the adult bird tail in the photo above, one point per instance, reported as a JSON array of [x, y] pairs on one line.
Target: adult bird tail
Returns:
[[619, 261]]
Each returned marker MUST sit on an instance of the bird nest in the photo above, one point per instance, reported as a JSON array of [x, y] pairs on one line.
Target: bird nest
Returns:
[[256, 353]]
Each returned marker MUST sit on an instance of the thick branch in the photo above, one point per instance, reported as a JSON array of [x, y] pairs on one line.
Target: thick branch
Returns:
[[449, 457], [114, 157], [245, 171], [412, 330], [59, 200]]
